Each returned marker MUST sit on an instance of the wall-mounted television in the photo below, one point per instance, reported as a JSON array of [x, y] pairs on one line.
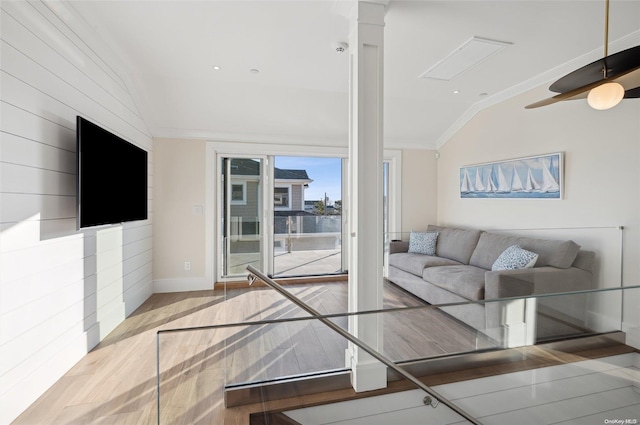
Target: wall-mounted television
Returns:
[[111, 177]]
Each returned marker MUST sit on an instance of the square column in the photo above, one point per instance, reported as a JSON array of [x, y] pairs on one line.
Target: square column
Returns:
[[365, 181]]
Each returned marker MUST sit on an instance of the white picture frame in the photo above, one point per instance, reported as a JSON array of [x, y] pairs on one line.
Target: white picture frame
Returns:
[[533, 177]]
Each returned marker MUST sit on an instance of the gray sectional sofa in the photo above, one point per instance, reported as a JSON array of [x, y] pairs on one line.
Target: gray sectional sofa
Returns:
[[460, 271]]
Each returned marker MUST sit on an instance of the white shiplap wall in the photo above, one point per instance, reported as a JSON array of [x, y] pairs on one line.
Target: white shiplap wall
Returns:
[[61, 290]]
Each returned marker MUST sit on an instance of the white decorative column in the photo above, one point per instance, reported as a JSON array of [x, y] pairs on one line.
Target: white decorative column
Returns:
[[366, 191]]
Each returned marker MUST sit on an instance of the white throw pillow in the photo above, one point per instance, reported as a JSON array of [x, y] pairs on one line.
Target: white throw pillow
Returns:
[[514, 258], [423, 242]]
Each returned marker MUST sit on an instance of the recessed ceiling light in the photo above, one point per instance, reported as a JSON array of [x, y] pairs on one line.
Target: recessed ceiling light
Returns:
[[254, 71], [216, 67], [456, 91]]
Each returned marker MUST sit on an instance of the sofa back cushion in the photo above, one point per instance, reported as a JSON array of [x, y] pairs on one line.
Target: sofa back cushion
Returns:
[[553, 253], [456, 244]]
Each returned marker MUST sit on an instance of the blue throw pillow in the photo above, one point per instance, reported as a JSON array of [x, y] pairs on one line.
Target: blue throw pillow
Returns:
[[514, 258], [423, 242]]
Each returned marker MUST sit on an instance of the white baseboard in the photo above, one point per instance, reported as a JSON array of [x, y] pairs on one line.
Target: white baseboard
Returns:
[[181, 285], [601, 322], [632, 335]]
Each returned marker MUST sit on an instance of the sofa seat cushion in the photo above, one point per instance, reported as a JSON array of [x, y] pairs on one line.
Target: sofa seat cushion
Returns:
[[466, 281], [415, 263]]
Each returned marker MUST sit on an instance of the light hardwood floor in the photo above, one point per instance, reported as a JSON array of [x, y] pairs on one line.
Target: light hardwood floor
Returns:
[[116, 382]]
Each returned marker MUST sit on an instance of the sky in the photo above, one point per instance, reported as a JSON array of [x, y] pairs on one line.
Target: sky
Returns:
[[325, 172]]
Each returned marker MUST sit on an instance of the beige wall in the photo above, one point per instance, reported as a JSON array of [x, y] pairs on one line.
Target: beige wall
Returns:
[[179, 231], [419, 189], [602, 170]]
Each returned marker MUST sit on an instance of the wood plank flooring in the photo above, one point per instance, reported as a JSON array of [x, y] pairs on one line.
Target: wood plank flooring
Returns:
[[116, 382]]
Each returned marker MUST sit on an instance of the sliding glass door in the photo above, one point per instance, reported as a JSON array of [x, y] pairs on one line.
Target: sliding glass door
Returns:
[[284, 214]]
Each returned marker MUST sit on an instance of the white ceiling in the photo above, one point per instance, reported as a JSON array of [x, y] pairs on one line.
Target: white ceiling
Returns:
[[300, 94]]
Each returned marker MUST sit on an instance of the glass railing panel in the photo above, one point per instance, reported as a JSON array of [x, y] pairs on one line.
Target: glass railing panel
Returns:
[[191, 369], [572, 315], [428, 332], [258, 365], [269, 352], [282, 347], [553, 317]]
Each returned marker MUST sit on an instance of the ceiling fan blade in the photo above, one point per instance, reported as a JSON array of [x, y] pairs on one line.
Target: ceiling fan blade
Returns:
[[544, 102], [632, 94], [570, 95], [616, 64], [630, 80]]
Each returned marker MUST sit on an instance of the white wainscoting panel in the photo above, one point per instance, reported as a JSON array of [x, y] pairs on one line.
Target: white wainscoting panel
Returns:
[[61, 290]]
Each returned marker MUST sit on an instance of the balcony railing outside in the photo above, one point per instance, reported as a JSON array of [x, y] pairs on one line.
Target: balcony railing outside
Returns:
[[307, 245]]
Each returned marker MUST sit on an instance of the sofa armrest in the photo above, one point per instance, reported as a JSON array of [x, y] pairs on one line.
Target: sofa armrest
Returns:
[[537, 280], [398, 246]]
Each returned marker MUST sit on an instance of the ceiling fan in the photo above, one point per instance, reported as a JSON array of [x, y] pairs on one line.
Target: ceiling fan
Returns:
[[604, 82]]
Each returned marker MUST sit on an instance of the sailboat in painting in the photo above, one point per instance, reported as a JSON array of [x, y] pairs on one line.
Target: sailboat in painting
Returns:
[[466, 185], [478, 183], [532, 185], [516, 183], [549, 183], [503, 185], [490, 186]]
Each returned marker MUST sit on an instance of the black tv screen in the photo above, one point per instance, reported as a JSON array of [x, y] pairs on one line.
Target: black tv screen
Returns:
[[111, 177]]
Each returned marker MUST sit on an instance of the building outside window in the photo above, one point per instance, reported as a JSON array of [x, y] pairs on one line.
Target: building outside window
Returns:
[[281, 197], [238, 193]]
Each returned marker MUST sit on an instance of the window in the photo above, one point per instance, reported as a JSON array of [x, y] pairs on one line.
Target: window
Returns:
[[238, 193], [281, 197]]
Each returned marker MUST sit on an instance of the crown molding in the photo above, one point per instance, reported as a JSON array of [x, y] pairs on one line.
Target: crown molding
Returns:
[[297, 140], [408, 143]]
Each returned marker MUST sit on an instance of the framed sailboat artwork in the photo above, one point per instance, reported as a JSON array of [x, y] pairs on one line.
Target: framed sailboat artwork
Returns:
[[534, 177]]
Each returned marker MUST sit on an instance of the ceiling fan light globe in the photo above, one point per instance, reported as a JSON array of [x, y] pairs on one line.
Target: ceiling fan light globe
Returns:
[[605, 96]]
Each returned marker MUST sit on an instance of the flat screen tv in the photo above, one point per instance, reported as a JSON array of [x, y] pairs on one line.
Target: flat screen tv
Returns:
[[111, 177]]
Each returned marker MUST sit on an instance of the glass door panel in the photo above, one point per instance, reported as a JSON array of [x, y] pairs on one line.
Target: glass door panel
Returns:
[[307, 231], [242, 209]]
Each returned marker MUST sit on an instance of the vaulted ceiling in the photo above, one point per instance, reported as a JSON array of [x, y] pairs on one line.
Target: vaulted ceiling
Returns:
[[299, 94]]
